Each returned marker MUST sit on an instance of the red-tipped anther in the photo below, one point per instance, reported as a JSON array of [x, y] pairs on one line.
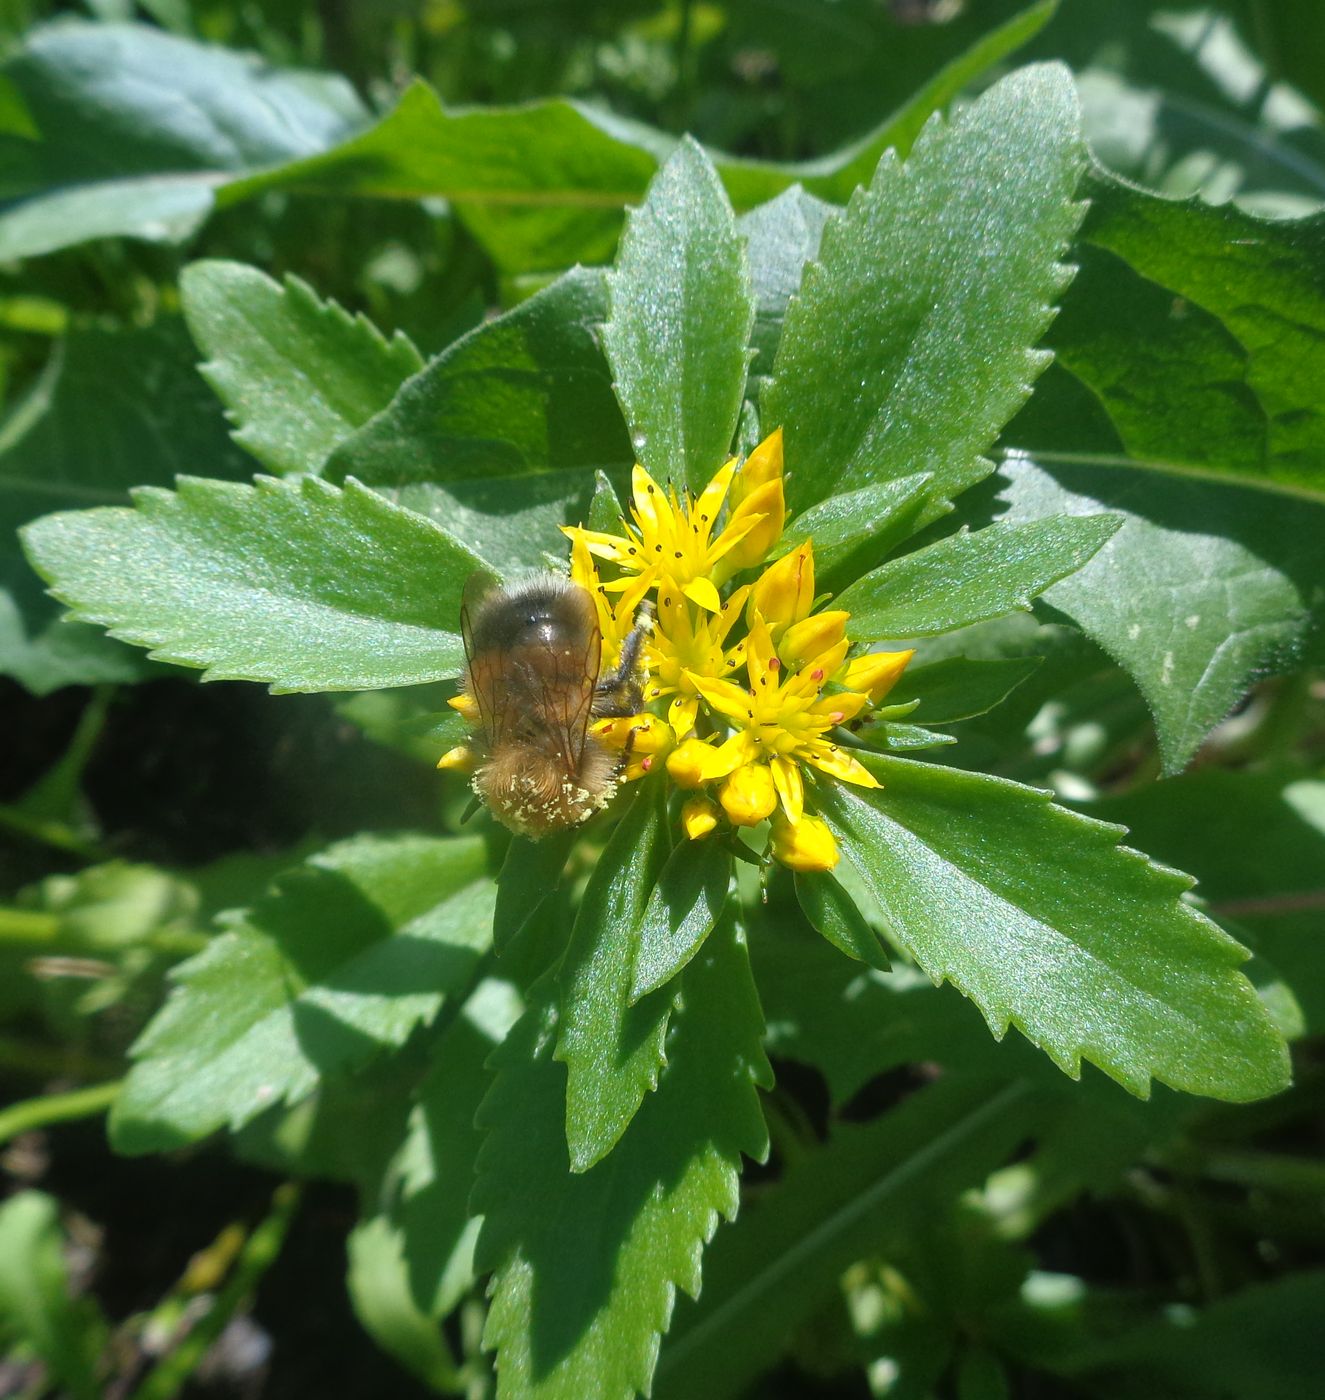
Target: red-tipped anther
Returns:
[[646, 764], [773, 663], [817, 674]]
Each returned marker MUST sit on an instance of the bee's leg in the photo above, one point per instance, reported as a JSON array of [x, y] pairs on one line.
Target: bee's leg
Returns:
[[619, 693]]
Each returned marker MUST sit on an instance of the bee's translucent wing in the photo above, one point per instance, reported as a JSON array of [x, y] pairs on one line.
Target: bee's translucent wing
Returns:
[[577, 682], [482, 680]]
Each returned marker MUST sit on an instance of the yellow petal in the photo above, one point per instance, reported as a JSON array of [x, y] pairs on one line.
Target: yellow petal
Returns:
[[812, 635], [681, 714], [690, 764], [699, 816], [730, 611], [804, 845], [614, 547], [651, 505], [458, 760], [768, 506], [876, 673], [749, 795], [841, 706], [765, 462], [723, 696], [761, 660], [702, 592], [791, 787], [785, 590], [705, 511], [829, 758]]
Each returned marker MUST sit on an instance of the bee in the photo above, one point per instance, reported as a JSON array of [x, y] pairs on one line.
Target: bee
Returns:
[[533, 654]]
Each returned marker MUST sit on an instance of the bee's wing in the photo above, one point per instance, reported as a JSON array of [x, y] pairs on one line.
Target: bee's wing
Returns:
[[577, 683], [480, 679]]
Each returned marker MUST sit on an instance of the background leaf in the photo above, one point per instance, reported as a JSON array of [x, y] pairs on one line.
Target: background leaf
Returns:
[[843, 1199], [296, 583]]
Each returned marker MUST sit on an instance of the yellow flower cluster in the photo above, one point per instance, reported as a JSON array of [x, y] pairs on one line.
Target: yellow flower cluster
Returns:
[[744, 718]]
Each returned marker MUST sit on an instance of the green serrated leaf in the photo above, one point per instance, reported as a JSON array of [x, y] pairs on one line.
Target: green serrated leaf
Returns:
[[378, 1285], [929, 295], [855, 531], [1256, 869], [781, 236], [960, 688], [587, 1263], [968, 578], [434, 1169], [1207, 586], [527, 392], [293, 582], [1256, 334], [681, 312], [529, 874], [1046, 923], [612, 1050], [682, 910], [345, 958], [870, 1186], [111, 410], [833, 913], [297, 374]]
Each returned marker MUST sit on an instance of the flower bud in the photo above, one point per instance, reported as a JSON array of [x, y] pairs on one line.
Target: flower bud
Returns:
[[749, 795], [805, 845], [876, 672], [699, 816], [785, 591]]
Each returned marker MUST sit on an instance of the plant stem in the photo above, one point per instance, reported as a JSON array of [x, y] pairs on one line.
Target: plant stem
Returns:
[[42, 1112], [257, 1256]]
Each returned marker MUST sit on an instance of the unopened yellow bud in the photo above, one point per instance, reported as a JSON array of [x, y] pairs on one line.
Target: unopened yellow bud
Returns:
[[458, 760], [812, 636], [804, 845], [690, 764], [699, 816], [785, 592], [763, 465], [876, 672], [749, 795], [767, 505]]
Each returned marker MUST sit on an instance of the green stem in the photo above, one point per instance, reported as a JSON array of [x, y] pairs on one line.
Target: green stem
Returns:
[[1296, 1176], [48, 1109], [28, 926], [259, 1253]]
